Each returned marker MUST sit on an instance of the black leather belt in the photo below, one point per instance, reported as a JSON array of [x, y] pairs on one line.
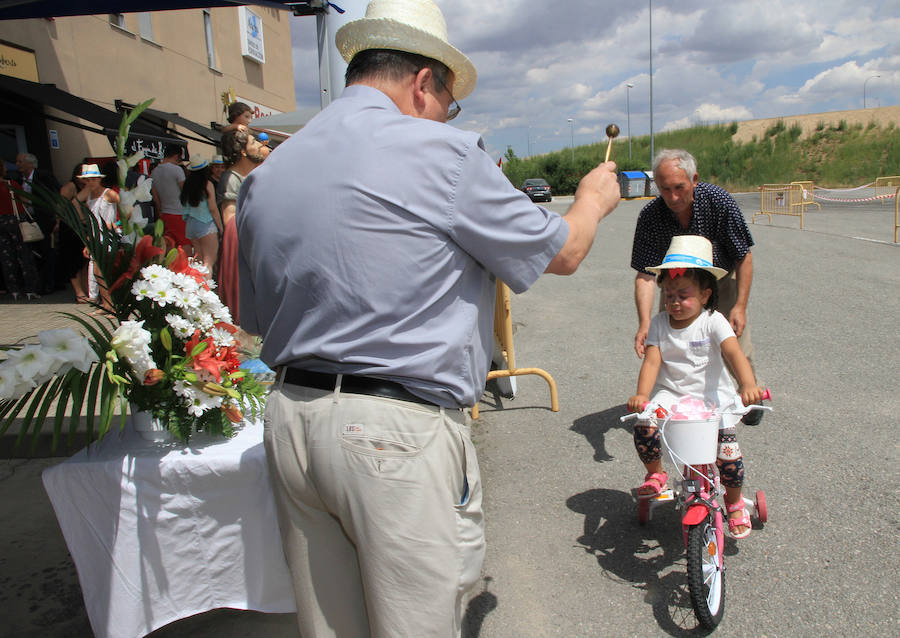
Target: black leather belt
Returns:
[[352, 384]]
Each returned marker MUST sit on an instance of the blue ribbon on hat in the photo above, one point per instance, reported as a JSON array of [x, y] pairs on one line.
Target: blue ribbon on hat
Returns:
[[687, 259]]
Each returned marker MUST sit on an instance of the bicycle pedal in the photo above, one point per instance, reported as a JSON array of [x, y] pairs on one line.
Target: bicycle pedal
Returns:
[[665, 495]]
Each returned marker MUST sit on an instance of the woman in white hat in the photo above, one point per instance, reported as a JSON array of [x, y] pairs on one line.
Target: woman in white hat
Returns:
[[203, 223], [687, 347], [103, 204]]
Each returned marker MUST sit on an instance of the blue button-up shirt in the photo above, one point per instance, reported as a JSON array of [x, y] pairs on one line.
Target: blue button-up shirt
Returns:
[[370, 242]]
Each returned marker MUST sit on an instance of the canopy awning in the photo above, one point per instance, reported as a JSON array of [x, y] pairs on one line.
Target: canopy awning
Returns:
[[23, 9]]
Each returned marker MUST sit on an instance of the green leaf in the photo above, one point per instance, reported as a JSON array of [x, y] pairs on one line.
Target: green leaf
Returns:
[[166, 338], [52, 393]]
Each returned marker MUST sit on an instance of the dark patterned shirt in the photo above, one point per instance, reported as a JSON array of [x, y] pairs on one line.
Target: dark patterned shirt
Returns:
[[716, 216]]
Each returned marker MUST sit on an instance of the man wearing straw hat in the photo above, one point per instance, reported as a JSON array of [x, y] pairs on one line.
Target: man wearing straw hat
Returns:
[[687, 206], [369, 246]]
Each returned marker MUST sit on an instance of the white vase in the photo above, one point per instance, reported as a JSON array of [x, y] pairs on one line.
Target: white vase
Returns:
[[149, 427]]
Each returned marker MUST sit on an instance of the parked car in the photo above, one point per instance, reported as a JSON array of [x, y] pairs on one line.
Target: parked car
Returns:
[[537, 189]]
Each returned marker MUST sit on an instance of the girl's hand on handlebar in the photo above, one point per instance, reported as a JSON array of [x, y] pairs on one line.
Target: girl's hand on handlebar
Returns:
[[752, 395], [637, 402]]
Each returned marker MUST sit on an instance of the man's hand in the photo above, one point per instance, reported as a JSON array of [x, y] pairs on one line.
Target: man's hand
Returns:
[[639, 340], [738, 320]]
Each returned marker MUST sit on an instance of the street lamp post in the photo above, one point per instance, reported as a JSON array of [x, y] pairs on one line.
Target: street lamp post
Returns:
[[572, 134], [628, 88], [864, 88]]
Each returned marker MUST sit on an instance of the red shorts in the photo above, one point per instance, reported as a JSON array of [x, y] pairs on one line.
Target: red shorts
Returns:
[[175, 228]]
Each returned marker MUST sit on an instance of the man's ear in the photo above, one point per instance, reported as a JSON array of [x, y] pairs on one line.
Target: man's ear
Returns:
[[422, 83]]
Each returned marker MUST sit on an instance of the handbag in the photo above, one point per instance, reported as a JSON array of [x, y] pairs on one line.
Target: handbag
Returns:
[[28, 228]]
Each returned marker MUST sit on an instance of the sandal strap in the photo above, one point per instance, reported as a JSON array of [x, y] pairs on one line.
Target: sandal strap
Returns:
[[743, 521], [659, 477], [737, 506]]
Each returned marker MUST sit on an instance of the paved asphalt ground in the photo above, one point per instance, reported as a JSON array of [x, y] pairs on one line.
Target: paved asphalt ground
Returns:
[[566, 556]]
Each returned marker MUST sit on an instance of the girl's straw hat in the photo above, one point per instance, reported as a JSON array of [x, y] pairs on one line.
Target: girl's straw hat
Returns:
[[197, 162], [414, 26], [90, 170], [689, 251]]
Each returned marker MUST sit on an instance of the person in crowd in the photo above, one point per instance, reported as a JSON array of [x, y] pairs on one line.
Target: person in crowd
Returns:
[[203, 223], [20, 273], [103, 203], [243, 153], [72, 262], [216, 168], [685, 352], [168, 178], [239, 117], [371, 275], [686, 205], [33, 178]]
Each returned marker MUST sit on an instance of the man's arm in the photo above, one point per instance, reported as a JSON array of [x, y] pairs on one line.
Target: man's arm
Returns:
[[743, 271], [644, 295], [597, 195]]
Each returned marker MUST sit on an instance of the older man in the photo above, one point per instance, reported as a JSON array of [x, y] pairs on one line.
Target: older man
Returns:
[[687, 206], [370, 245]]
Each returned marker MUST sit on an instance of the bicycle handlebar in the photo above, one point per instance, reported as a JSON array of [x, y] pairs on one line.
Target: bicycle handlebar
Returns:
[[652, 409]]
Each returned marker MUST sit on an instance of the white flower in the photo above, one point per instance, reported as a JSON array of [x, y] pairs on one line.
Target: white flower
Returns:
[[69, 347], [142, 190], [132, 160], [156, 273], [131, 341], [203, 402], [122, 167], [33, 363], [141, 289], [221, 338], [185, 390], [180, 326], [12, 385]]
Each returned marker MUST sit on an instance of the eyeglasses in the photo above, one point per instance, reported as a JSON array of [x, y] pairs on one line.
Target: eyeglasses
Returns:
[[454, 107]]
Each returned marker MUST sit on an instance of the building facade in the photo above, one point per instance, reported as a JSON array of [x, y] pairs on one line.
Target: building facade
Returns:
[[190, 61]]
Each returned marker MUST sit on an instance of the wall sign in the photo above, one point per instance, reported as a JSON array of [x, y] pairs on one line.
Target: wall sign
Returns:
[[252, 45], [17, 62]]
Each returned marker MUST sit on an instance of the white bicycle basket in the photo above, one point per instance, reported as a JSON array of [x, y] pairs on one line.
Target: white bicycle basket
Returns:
[[692, 441]]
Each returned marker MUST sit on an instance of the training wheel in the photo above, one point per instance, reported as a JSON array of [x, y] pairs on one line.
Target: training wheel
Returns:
[[761, 511], [643, 511]]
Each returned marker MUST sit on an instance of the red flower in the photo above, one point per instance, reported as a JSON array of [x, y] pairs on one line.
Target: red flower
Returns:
[[182, 265], [154, 376], [144, 251], [208, 359]]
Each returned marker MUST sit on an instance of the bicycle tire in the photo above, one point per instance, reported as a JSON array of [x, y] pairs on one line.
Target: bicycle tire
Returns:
[[705, 573]]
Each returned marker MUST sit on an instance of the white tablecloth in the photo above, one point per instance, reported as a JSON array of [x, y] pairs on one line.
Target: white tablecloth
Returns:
[[160, 532]]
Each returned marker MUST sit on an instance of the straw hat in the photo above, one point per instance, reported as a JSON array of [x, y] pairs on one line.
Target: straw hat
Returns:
[[198, 162], [414, 26], [90, 170], [689, 251], [217, 159]]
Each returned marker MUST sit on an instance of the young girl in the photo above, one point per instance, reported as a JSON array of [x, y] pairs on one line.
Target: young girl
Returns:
[[198, 201], [687, 347]]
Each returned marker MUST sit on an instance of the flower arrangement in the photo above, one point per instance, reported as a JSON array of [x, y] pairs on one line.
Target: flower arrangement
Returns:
[[169, 347]]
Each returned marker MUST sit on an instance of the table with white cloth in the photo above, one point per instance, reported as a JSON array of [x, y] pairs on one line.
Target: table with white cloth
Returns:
[[162, 531]]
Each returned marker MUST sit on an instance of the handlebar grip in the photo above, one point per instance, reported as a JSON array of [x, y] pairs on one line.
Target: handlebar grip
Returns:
[[767, 396]]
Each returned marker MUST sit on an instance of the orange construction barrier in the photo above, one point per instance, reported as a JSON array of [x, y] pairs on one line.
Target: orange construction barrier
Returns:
[[803, 196], [776, 199], [504, 333]]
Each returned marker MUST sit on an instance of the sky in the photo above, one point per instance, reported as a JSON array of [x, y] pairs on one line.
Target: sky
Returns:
[[541, 64]]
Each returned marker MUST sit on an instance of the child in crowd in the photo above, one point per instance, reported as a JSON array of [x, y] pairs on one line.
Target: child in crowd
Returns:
[[687, 347]]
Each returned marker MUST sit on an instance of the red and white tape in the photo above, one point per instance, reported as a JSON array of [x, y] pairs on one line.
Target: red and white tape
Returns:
[[858, 199]]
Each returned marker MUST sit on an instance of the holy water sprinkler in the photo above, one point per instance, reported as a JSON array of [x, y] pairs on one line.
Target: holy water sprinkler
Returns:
[[612, 132]]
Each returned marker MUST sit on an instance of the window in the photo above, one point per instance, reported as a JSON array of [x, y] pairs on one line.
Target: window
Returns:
[[145, 24], [210, 49], [117, 20]]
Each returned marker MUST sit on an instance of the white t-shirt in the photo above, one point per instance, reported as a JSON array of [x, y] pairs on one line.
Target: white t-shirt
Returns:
[[692, 363]]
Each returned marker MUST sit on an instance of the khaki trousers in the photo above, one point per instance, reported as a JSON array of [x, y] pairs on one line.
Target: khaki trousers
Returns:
[[379, 507]]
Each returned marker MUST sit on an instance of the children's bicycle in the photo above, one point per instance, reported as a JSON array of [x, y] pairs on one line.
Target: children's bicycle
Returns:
[[692, 445]]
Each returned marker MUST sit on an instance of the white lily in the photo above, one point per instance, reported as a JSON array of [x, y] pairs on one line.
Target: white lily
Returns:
[[131, 160], [132, 341], [142, 190], [69, 347], [12, 386], [33, 363]]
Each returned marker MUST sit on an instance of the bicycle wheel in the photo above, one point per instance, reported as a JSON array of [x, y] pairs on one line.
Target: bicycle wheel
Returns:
[[706, 573]]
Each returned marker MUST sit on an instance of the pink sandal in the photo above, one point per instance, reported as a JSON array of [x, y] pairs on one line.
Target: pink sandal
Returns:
[[740, 521], [655, 481]]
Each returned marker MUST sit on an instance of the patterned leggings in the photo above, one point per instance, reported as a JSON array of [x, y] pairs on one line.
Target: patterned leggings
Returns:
[[729, 459], [16, 260]]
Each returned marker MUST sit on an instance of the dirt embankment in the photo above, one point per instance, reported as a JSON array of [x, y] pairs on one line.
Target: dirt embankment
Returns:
[[882, 116]]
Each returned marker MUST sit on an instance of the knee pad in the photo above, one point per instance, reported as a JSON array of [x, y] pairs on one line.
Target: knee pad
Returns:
[[729, 460], [647, 442]]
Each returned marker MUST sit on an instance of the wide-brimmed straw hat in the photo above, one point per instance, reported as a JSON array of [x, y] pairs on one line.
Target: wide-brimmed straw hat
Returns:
[[414, 26], [689, 251], [198, 162], [90, 170], [217, 159]]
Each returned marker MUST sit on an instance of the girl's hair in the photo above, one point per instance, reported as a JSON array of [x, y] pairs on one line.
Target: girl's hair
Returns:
[[235, 109], [703, 278], [194, 189]]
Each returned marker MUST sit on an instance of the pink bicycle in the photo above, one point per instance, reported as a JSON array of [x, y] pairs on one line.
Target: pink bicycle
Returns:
[[692, 444]]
